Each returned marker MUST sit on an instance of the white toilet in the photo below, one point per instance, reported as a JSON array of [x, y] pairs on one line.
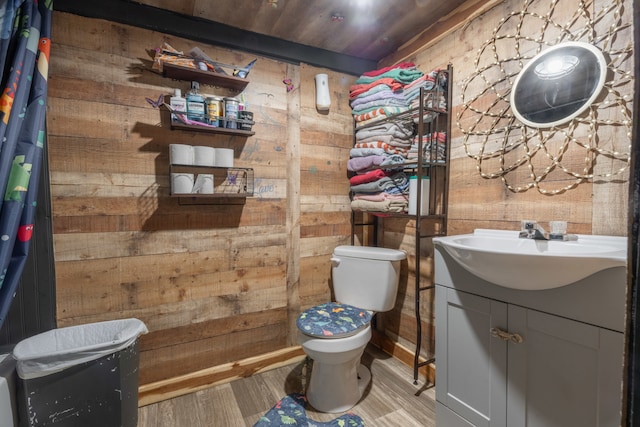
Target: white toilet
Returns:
[[335, 334]]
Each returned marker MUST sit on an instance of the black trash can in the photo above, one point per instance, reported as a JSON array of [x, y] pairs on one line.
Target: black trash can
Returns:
[[80, 376]]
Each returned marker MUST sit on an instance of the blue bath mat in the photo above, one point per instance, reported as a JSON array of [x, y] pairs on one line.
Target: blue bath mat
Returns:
[[289, 411]]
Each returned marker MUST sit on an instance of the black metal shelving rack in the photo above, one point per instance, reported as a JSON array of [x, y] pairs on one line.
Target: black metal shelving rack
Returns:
[[429, 117]]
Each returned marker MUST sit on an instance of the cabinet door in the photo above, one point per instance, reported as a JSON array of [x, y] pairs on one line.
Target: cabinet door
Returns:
[[471, 365], [564, 373]]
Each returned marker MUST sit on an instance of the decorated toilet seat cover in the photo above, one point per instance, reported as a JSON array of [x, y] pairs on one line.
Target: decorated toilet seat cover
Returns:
[[333, 320]]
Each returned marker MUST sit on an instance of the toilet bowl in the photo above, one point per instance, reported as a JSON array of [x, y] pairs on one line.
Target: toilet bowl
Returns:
[[337, 369], [334, 335]]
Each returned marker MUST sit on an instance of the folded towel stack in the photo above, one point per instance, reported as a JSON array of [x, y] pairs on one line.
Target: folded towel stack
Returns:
[[434, 148], [387, 194], [435, 84], [375, 96], [393, 138], [380, 93]]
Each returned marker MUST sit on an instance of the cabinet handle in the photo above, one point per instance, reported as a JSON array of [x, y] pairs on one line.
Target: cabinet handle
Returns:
[[506, 336]]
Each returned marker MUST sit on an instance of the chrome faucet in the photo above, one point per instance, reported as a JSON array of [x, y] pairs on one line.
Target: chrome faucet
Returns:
[[532, 230]]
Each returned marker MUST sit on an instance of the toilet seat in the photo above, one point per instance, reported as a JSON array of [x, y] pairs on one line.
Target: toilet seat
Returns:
[[333, 320]]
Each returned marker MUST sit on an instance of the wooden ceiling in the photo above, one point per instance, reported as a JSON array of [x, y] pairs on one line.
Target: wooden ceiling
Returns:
[[339, 34], [368, 29]]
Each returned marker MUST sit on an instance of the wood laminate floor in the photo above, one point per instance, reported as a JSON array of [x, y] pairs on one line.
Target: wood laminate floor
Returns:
[[390, 401]]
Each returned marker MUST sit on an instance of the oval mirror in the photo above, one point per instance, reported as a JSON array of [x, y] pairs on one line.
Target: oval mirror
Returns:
[[558, 84]]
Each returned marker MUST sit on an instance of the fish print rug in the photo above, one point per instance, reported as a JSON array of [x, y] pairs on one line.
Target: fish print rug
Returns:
[[290, 411]]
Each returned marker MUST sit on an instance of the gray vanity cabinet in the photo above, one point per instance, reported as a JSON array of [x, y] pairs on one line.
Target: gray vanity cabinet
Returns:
[[471, 366], [503, 364]]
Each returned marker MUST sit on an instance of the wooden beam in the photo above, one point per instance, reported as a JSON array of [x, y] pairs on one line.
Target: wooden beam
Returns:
[[293, 204], [468, 11], [205, 378]]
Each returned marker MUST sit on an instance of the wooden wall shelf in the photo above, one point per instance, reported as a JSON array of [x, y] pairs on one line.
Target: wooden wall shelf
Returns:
[[221, 175], [221, 195], [210, 199], [206, 77], [219, 130]]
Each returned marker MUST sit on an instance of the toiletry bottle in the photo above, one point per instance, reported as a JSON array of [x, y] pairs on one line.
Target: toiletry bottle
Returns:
[[195, 103], [177, 103]]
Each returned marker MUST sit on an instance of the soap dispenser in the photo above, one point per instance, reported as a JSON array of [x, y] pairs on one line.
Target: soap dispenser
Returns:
[[195, 103]]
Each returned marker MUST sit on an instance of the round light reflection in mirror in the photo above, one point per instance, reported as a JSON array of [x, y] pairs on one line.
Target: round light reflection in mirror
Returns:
[[558, 84]]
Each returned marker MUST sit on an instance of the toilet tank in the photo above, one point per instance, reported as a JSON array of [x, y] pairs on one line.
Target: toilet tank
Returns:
[[366, 277]]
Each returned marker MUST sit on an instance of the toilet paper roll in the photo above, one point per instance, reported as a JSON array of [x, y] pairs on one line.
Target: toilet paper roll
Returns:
[[204, 156], [224, 157], [203, 184], [181, 183], [180, 154]]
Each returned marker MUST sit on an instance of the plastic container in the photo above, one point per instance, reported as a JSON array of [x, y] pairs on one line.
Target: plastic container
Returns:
[[177, 103], [214, 110], [195, 104], [80, 376], [231, 106], [413, 195], [245, 120], [8, 408]]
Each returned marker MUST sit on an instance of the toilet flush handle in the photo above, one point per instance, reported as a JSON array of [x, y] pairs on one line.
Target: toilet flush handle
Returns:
[[335, 261]]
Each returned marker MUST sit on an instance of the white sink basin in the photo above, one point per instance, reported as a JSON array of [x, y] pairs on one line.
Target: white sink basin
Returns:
[[503, 258]]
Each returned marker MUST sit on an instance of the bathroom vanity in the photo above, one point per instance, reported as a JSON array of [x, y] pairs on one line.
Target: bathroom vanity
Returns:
[[547, 357]]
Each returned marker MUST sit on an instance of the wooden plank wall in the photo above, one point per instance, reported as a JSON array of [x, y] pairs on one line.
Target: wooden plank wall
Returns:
[[598, 207], [217, 284], [214, 283], [325, 215]]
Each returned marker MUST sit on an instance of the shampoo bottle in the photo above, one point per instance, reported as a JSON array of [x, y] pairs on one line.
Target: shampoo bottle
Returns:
[[195, 103], [177, 103]]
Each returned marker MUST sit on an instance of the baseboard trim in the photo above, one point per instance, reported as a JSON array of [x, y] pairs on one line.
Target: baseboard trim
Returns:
[[205, 378], [403, 354], [178, 386]]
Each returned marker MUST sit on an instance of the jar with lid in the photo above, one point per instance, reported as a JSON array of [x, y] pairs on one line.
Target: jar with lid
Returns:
[[231, 113], [213, 106]]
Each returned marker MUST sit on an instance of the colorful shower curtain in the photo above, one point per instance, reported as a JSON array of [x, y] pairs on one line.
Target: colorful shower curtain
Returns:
[[25, 32]]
